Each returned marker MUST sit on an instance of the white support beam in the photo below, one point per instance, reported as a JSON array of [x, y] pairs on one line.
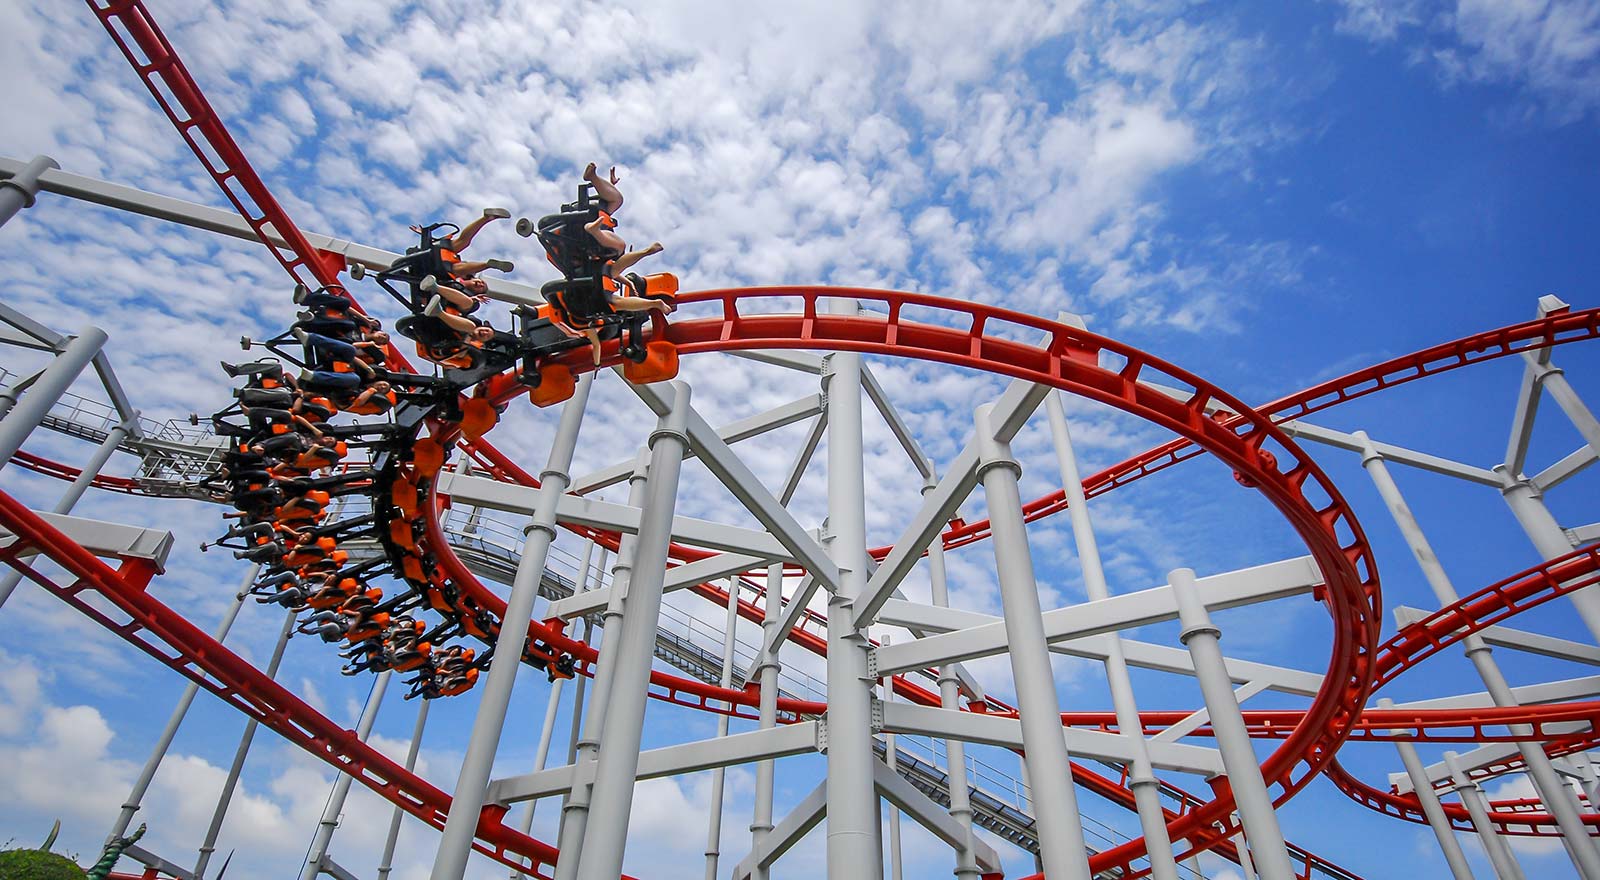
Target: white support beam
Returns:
[[802, 458], [1275, 580], [1527, 695], [678, 577], [1524, 415], [105, 539], [1010, 413], [1584, 534], [1479, 758], [1397, 454], [1518, 640], [804, 361], [1565, 469], [930, 618], [514, 498], [1176, 660], [805, 816], [1007, 733], [742, 482], [771, 420], [738, 748], [793, 612], [897, 425], [896, 790], [1200, 716], [229, 223]]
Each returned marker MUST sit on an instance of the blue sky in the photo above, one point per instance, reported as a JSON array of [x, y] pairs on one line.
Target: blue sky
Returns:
[[1268, 195]]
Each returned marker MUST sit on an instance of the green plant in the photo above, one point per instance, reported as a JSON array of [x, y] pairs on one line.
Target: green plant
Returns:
[[35, 864]]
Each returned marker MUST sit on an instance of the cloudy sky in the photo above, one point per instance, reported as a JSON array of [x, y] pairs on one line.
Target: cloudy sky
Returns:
[[1268, 195]]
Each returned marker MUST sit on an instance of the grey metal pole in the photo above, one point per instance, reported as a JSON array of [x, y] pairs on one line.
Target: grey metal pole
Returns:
[[575, 809], [617, 767], [1555, 384], [386, 863], [767, 670], [719, 774], [52, 383], [164, 741], [460, 827], [1142, 776], [1049, 774], [1453, 856], [1254, 803], [1501, 858], [955, 751], [1591, 783], [18, 192], [70, 498], [891, 756], [1528, 507], [341, 785], [12, 392], [209, 845], [854, 845], [553, 705], [1556, 796], [541, 755]]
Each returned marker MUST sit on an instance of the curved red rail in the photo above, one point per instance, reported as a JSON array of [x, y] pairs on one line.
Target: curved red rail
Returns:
[[1066, 361]]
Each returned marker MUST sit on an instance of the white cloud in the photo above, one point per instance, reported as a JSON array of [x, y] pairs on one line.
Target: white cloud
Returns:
[[1545, 49]]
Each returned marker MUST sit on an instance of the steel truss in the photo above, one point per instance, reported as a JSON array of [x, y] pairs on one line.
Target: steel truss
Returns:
[[768, 577]]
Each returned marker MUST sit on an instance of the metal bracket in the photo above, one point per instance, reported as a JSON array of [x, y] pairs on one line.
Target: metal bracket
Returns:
[[872, 664], [877, 716], [822, 736]]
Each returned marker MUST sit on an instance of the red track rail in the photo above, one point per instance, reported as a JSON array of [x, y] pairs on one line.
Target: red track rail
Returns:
[[1551, 330]]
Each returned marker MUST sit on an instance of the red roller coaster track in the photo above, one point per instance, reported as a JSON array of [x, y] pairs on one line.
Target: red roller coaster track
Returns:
[[1310, 737]]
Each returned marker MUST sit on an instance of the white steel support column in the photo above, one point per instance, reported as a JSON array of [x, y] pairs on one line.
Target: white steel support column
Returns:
[[386, 863], [575, 808], [1556, 797], [553, 705], [460, 827], [1446, 835], [47, 389], [69, 498], [1500, 856], [617, 767], [341, 785], [18, 192], [719, 774], [854, 843], [1527, 505], [891, 757], [955, 751], [209, 845], [1250, 793], [1141, 778], [164, 741], [767, 670], [1055, 802], [541, 754]]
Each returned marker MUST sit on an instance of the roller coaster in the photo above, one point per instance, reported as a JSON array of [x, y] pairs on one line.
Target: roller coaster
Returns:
[[349, 470]]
